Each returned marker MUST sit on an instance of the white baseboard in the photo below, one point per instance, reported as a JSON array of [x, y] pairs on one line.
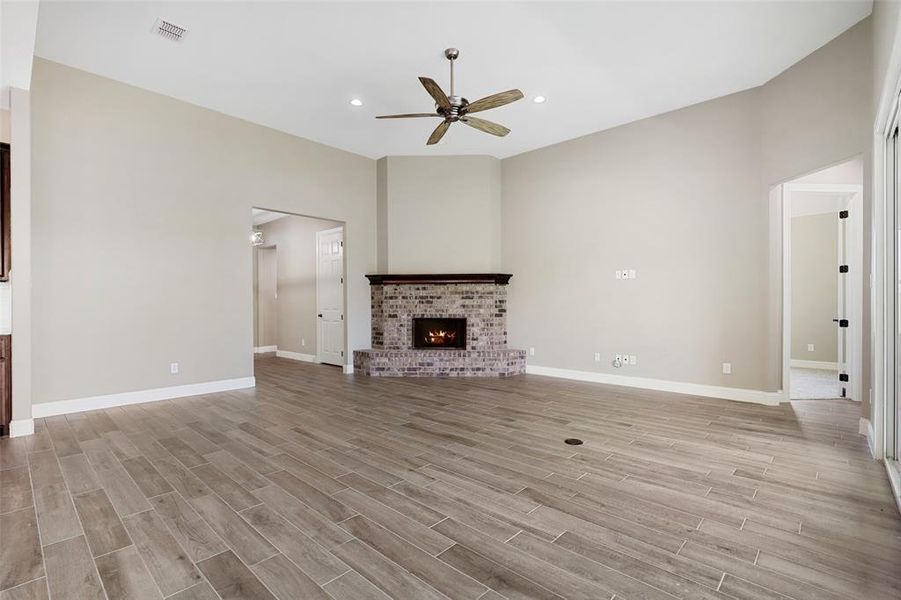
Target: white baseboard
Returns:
[[264, 349], [814, 364], [866, 428], [296, 356], [21, 427], [678, 387], [348, 369], [62, 407]]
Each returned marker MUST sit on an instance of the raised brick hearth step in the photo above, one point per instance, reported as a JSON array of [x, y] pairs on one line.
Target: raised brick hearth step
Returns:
[[440, 363]]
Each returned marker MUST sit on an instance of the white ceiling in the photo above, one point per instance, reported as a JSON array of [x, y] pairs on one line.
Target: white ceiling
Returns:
[[18, 27], [294, 66]]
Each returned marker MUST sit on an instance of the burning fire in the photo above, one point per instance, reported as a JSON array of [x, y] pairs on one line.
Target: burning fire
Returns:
[[440, 336]]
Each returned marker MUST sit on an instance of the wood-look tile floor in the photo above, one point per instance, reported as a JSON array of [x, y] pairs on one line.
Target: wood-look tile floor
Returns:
[[317, 485]]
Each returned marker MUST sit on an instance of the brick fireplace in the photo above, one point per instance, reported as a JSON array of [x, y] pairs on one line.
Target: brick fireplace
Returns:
[[439, 326]]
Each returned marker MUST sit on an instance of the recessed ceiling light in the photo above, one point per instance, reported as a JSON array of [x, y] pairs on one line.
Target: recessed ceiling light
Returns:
[[356, 102], [539, 99]]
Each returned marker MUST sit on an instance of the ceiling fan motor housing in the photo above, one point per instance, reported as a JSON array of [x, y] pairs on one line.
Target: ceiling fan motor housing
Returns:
[[457, 104]]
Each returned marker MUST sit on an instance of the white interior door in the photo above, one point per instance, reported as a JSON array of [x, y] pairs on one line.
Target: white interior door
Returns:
[[330, 295], [843, 317]]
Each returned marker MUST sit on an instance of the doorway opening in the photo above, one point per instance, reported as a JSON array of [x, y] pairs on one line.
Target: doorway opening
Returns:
[[822, 260], [298, 287]]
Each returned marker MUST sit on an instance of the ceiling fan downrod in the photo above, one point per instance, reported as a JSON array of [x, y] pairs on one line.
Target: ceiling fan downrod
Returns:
[[451, 54]]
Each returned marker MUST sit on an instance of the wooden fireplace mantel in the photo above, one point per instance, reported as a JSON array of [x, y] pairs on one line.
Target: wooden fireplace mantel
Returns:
[[405, 279]]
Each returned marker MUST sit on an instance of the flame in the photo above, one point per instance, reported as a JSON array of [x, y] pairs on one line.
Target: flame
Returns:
[[440, 336]]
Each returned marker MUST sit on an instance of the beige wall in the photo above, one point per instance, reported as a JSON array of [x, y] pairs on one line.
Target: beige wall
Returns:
[[675, 197], [294, 239], [20, 296], [814, 287], [886, 18], [4, 126], [265, 317], [683, 199], [140, 233], [381, 196], [440, 214]]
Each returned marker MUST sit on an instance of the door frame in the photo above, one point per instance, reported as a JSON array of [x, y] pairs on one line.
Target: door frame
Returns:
[[883, 272], [343, 231], [854, 310]]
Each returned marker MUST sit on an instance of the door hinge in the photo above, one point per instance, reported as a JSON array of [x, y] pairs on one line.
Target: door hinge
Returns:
[[843, 377], [843, 268], [342, 353], [342, 243], [842, 214], [342, 280]]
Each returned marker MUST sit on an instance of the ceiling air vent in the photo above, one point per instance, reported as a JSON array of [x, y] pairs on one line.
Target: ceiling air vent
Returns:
[[170, 31]]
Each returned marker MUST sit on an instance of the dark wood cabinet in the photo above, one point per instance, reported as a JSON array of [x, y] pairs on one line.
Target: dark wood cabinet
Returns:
[[6, 396], [5, 187], [6, 383]]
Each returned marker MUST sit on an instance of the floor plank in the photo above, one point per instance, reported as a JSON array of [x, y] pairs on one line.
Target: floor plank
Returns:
[[124, 575], [231, 578], [167, 562], [71, 574], [102, 527], [20, 552]]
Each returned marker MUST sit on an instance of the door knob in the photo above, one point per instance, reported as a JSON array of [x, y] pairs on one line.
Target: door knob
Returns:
[[319, 315]]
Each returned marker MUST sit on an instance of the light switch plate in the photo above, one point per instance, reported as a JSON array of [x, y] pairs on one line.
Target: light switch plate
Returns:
[[173, 368], [619, 274], [531, 351], [810, 347], [631, 273]]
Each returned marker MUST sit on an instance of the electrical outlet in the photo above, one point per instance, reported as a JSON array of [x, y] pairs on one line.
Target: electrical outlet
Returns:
[[633, 360], [303, 341], [810, 347], [631, 273], [173, 368], [727, 368], [597, 357], [619, 274], [531, 351]]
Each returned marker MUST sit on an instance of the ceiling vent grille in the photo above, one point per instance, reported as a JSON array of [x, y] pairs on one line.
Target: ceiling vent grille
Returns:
[[170, 31]]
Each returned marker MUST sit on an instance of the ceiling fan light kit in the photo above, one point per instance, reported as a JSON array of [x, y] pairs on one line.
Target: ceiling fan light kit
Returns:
[[452, 108]]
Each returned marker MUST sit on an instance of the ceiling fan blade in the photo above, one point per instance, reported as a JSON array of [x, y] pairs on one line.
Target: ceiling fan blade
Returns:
[[438, 133], [409, 116], [493, 101], [435, 92], [486, 126]]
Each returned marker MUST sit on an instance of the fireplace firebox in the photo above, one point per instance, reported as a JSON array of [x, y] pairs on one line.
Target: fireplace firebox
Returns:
[[439, 333]]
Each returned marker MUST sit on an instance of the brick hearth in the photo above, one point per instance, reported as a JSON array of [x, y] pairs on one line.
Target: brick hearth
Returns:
[[481, 299]]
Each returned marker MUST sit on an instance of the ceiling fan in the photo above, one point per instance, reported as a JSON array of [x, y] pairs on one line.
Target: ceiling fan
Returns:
[[456, 108]]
